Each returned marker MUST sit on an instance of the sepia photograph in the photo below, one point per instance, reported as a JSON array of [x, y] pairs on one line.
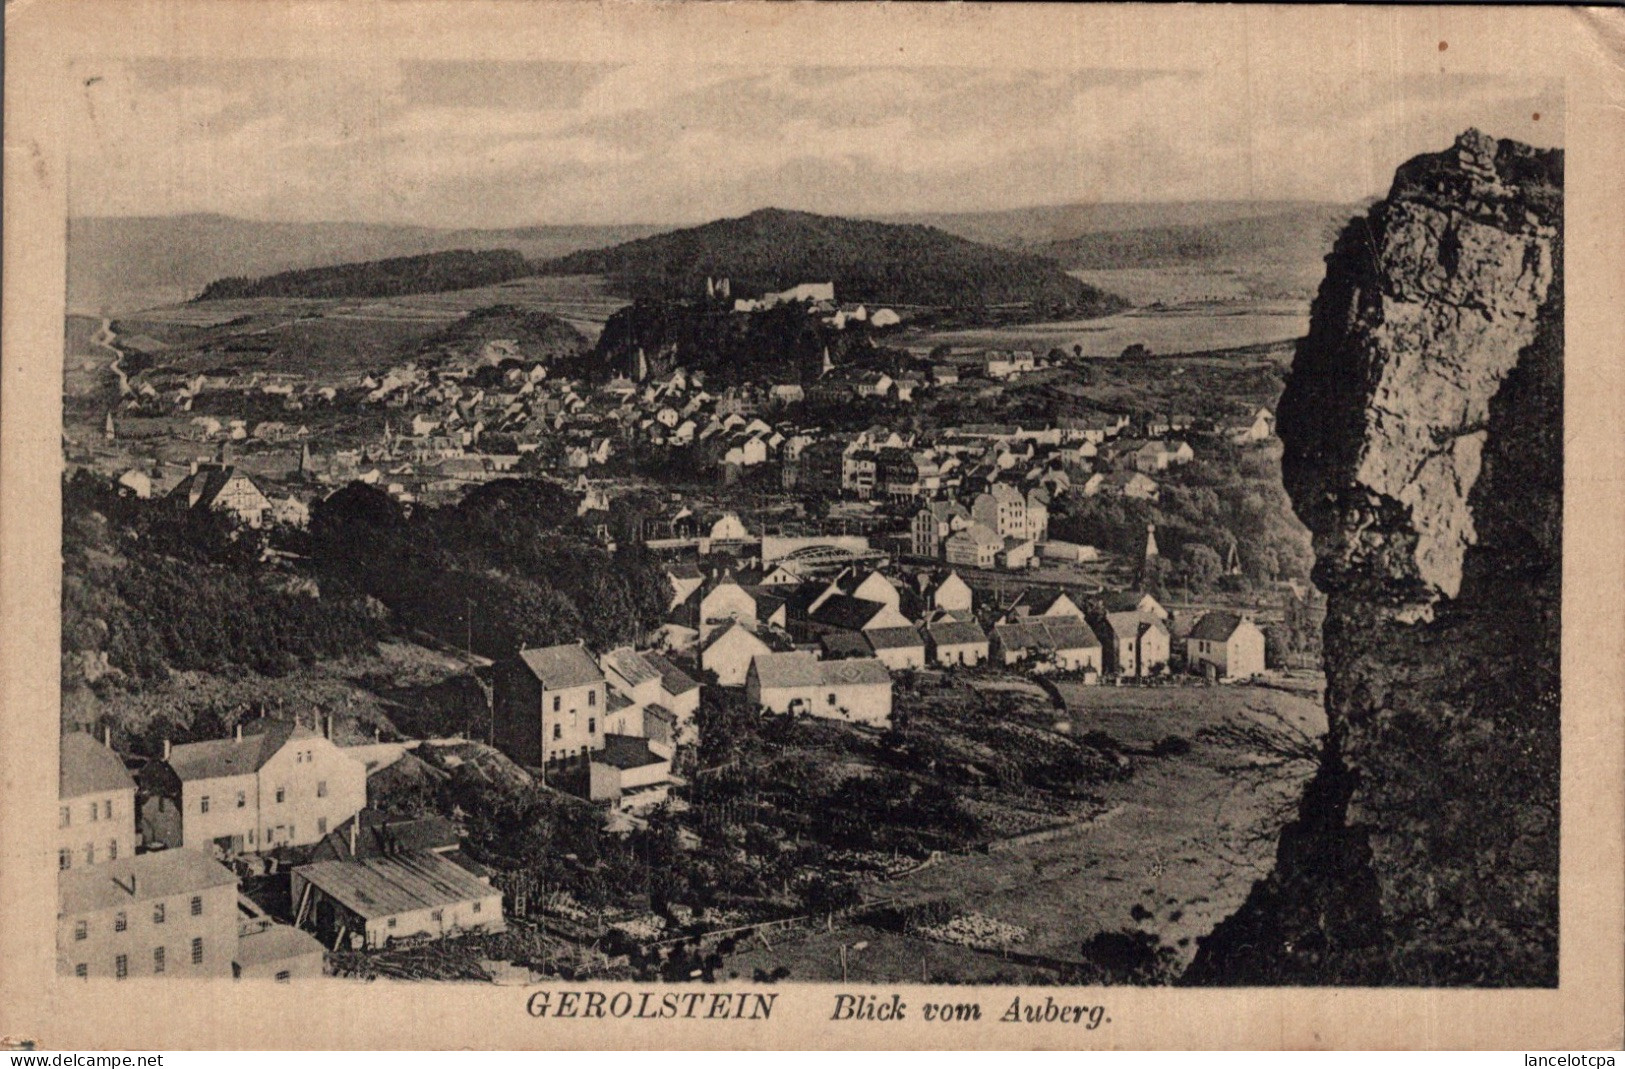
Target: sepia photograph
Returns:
[[656, 532]]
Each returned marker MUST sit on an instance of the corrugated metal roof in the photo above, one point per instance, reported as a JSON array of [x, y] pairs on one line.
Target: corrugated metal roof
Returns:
[[88, 767], [383, 886]]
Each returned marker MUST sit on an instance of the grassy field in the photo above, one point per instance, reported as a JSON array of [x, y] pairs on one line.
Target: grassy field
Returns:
[[1163, 332], [1175, 851]]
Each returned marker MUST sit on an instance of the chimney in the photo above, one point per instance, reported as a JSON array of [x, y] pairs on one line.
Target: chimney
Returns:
[[355, 822], [166, 749], [107, 736], [327, 726]]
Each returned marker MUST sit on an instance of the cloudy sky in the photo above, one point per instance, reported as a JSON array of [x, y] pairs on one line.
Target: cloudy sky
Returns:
[[458, 143]]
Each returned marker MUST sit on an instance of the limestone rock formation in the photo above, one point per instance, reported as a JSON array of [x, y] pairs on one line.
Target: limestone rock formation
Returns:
[[1423, 448]]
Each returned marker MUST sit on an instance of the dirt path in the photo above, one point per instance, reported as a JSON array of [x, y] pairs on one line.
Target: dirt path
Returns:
[[105, 337]]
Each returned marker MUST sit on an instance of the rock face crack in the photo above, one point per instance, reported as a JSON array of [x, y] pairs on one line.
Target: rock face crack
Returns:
[[1422, 426]]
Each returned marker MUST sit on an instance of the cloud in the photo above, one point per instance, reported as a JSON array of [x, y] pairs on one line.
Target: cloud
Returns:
[[459, 143]]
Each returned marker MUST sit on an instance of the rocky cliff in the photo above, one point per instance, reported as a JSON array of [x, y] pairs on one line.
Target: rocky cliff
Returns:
[[1423, 448]]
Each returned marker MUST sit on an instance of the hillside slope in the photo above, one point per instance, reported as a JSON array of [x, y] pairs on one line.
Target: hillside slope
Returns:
[[118, 264], [1423, 434], [432, 272], [1030, 228], [871, 262]]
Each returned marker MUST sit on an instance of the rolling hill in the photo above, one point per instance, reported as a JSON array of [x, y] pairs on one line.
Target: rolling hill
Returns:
[[120, 264], [1288, 237], [1033, 228], [432, 272], [872, 262]]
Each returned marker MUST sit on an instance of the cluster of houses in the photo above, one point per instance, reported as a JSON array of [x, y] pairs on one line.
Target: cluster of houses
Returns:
[[151, 864]]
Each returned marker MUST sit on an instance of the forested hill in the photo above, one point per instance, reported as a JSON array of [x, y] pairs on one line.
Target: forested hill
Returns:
[[870, 262], [1300, 235], [432, 272]]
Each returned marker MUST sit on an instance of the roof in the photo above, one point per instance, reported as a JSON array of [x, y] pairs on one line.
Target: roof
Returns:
[[559, 667], [798, 669], [88, 767], [856, 671], [979, 533], [210, 480], [1038, 601], [630, 665], [211, 759], [894, 638], [1047, 632], [847, 612], [628, 751], [729, 628], [1128, 624], [275, 942], [381, 834], [382, 886], [140, 878], [1217, 626], [846, 644], [673, 680], [956, 633], [1125, 601]]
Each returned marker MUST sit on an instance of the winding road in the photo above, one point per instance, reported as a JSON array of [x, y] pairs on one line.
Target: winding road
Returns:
[[105, 337]]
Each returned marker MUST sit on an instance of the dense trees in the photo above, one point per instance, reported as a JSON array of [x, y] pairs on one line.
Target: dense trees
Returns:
[[429, 273], [772, 250]]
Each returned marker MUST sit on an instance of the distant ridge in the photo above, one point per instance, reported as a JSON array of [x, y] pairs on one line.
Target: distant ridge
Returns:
[[871, 262], [431, 272]]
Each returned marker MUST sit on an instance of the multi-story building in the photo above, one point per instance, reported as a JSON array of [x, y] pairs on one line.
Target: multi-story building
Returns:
[[1228, 645], [934, 524], [1002, 509], [96, 805], [274, 783], [548, 705], [169, 913]]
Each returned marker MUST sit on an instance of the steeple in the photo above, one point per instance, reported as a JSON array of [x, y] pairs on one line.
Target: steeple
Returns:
[[107, 431], [828, 366], [1150, 541]]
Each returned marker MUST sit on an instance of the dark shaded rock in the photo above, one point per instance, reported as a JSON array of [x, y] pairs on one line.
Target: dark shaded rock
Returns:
[[1423, 449]]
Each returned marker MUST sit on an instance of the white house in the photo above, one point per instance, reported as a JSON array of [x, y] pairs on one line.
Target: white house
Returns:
[[1233, 645], [858, 689]]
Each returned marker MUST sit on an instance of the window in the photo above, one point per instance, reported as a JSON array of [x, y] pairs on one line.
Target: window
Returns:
[[197, 950], [284, 976], [112, 850], [95, 811], [90, 853], [158, 913], [81, 930], [107, 809], [392, 922], [293, 832], [832, 698], [81, 970], [321, 788], [242, 799], [64, 816], [437, 915], [592, 697], [476, 907], [321, 825], [197, 905], [121, 966], [558, 731], [203, 804], [251, 833], [157, 959], [557, 703], [121, 921], [281, 793], [592, 725], [64, 860]]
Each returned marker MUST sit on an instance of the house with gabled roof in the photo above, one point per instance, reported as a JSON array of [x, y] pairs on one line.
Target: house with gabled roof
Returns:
[[547, 705], [1227, 644], [273, 783], [95, 804], [857, 690], [898, 648], [1064, 643], [727, 653], [222, 488], [953, 642], [1138, 644]]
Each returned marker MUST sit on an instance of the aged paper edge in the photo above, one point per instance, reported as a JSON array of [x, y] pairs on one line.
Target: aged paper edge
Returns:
[[1582, 46]]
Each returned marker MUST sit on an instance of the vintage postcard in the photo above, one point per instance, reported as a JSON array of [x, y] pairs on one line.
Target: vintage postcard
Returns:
[[573, 525]]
